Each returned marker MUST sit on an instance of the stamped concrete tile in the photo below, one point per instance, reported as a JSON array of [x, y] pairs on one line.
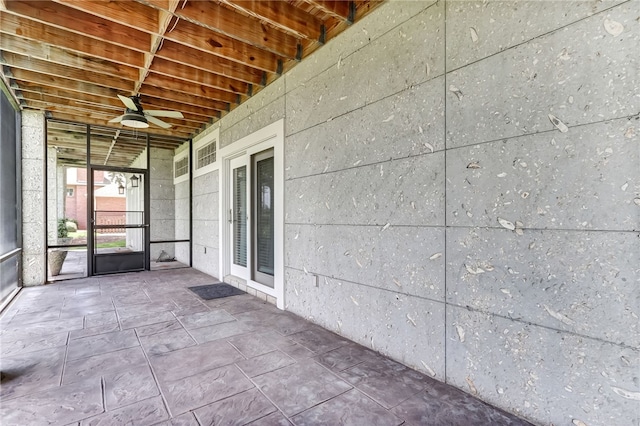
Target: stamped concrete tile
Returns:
[[444, 404], [273, 419], [346, 356], [186, 419], [259, 343], [166, 342], [130, 298], [238, 409], [221, 331], [204, 319], [283, 322], [193, 360], [300, 386], [145, 309], [298, 352], [103, 364], [33, 344], [387, 382], [352, 408], [21, 319], [101, 343], [183, 311], [84, 300], [265, 363], [237, 305], [318, 339], [73, 311], [143, 413], [86, 332], [100, 318], [204, 388], [146, 319], [31, 372], [160, 327], [41, 329], [58, 406], [126, 387]]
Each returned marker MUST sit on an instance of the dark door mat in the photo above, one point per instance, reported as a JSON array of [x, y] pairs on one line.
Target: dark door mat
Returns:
[[216, 291]]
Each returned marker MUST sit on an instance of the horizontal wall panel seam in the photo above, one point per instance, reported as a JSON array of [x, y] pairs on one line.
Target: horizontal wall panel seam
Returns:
[[524, 42], [518, 320]]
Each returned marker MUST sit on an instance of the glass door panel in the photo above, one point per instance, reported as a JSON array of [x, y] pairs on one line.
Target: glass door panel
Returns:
[[238, 216], [263, 231]]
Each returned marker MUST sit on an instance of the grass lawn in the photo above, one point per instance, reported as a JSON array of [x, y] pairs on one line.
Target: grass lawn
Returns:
[[119, 243]]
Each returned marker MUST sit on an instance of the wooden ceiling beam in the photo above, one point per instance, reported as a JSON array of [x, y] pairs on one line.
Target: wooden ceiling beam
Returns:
[[25, 28], [343, 10], [247, 29], [282, 15], [160, 93], [62, 83], [129, 13], [55, 55], [52, 104], [189, 88], [192, 35], [197, 76], [164, 20], [101, 118], [39, 92], [215, 64], [188, 122], [151, 102], [43, 67], [78, 22], [67, 84]]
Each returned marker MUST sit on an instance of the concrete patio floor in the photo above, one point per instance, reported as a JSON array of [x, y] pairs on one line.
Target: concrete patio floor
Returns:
[[142, 349]]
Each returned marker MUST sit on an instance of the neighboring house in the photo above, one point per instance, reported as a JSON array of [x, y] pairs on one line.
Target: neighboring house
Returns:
[[105, 193]]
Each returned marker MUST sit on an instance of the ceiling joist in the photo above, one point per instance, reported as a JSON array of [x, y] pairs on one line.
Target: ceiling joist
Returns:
[[72, 58]]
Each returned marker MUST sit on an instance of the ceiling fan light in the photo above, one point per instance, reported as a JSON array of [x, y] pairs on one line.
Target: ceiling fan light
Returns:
[[135, 120]]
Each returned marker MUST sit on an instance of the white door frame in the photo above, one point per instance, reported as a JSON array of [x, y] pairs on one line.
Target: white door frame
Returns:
[[271, 136]]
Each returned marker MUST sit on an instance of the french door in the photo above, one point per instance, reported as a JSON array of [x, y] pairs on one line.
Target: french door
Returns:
[[251, 217]]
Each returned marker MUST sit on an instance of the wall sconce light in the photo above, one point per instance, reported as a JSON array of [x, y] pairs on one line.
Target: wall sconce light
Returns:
[[121, 189], [134, 181]]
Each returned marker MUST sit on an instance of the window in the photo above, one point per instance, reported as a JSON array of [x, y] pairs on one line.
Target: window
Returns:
[[181, 167], [205, 152], [206, 155], [69, 192]]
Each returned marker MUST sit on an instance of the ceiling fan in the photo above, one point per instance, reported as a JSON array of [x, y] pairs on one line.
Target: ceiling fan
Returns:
[[139, 118]]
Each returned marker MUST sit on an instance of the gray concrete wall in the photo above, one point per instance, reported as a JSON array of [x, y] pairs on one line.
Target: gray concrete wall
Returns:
[[462, 178], [162, 201], [205, 223], [34, 219]]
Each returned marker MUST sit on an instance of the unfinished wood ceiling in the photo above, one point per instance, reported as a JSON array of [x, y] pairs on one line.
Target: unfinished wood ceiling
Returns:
[[72, 58]]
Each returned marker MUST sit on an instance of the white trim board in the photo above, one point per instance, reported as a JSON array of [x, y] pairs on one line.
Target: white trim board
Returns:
[[271, 136]]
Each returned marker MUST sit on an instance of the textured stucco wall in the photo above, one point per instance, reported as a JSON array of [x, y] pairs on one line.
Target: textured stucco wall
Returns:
[[462, 178], [33, 210]]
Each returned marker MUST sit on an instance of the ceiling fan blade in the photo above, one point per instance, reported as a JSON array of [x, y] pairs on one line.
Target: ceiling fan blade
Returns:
[[128, 102], [157, 122], [117, 119], [163, 113]]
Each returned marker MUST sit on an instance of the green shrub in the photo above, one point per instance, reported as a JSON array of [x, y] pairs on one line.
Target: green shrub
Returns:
[[62, 228], [71, 226]]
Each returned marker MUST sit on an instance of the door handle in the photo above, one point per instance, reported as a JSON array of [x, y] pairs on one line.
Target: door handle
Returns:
[[230, 215]]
